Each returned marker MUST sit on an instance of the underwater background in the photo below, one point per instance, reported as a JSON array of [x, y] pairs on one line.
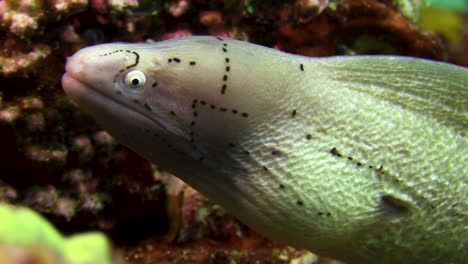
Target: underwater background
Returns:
[[56, 161]]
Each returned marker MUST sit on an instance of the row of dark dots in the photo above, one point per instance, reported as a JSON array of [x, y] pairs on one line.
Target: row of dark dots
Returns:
[[227, 68], [379, 170], [334, 151], [192, 124], [197, 102], [137, 59], [177, 60], [214, 107], [113, 52]]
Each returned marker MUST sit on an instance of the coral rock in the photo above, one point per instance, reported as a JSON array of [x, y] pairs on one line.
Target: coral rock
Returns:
[[22, 24], [211, 18], [178, 7]]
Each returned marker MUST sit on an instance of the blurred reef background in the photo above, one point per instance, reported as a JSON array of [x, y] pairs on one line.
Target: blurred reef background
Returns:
[[56, 161]]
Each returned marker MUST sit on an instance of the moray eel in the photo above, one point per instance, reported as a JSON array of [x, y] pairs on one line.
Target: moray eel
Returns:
[[361, 158]]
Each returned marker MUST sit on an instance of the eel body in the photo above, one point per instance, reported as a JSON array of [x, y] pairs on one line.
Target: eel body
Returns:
[[363, 158]]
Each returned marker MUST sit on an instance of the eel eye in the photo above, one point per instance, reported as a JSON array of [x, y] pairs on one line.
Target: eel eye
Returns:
[[135, 79]]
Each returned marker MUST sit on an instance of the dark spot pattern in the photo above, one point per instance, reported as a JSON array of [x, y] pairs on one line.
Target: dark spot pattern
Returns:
[[301, 66], [137, 56], [324, 214], [379, 170], [293, 113], [137, 60], [388, 203], [112, 52], [195, 102], [192, 63], [227, 67], [203, 103], [335, 152]]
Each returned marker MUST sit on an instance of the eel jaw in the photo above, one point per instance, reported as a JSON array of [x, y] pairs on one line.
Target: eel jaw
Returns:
[[74, 88]]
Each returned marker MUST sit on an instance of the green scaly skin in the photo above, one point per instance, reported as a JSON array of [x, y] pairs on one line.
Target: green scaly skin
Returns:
[[359, 158]]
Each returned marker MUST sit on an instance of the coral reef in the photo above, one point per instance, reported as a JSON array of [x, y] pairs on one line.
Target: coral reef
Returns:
[[56, 160]]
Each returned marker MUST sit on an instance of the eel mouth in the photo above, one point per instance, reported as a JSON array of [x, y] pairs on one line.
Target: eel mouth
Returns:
[[91, 98], [73, 88]]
